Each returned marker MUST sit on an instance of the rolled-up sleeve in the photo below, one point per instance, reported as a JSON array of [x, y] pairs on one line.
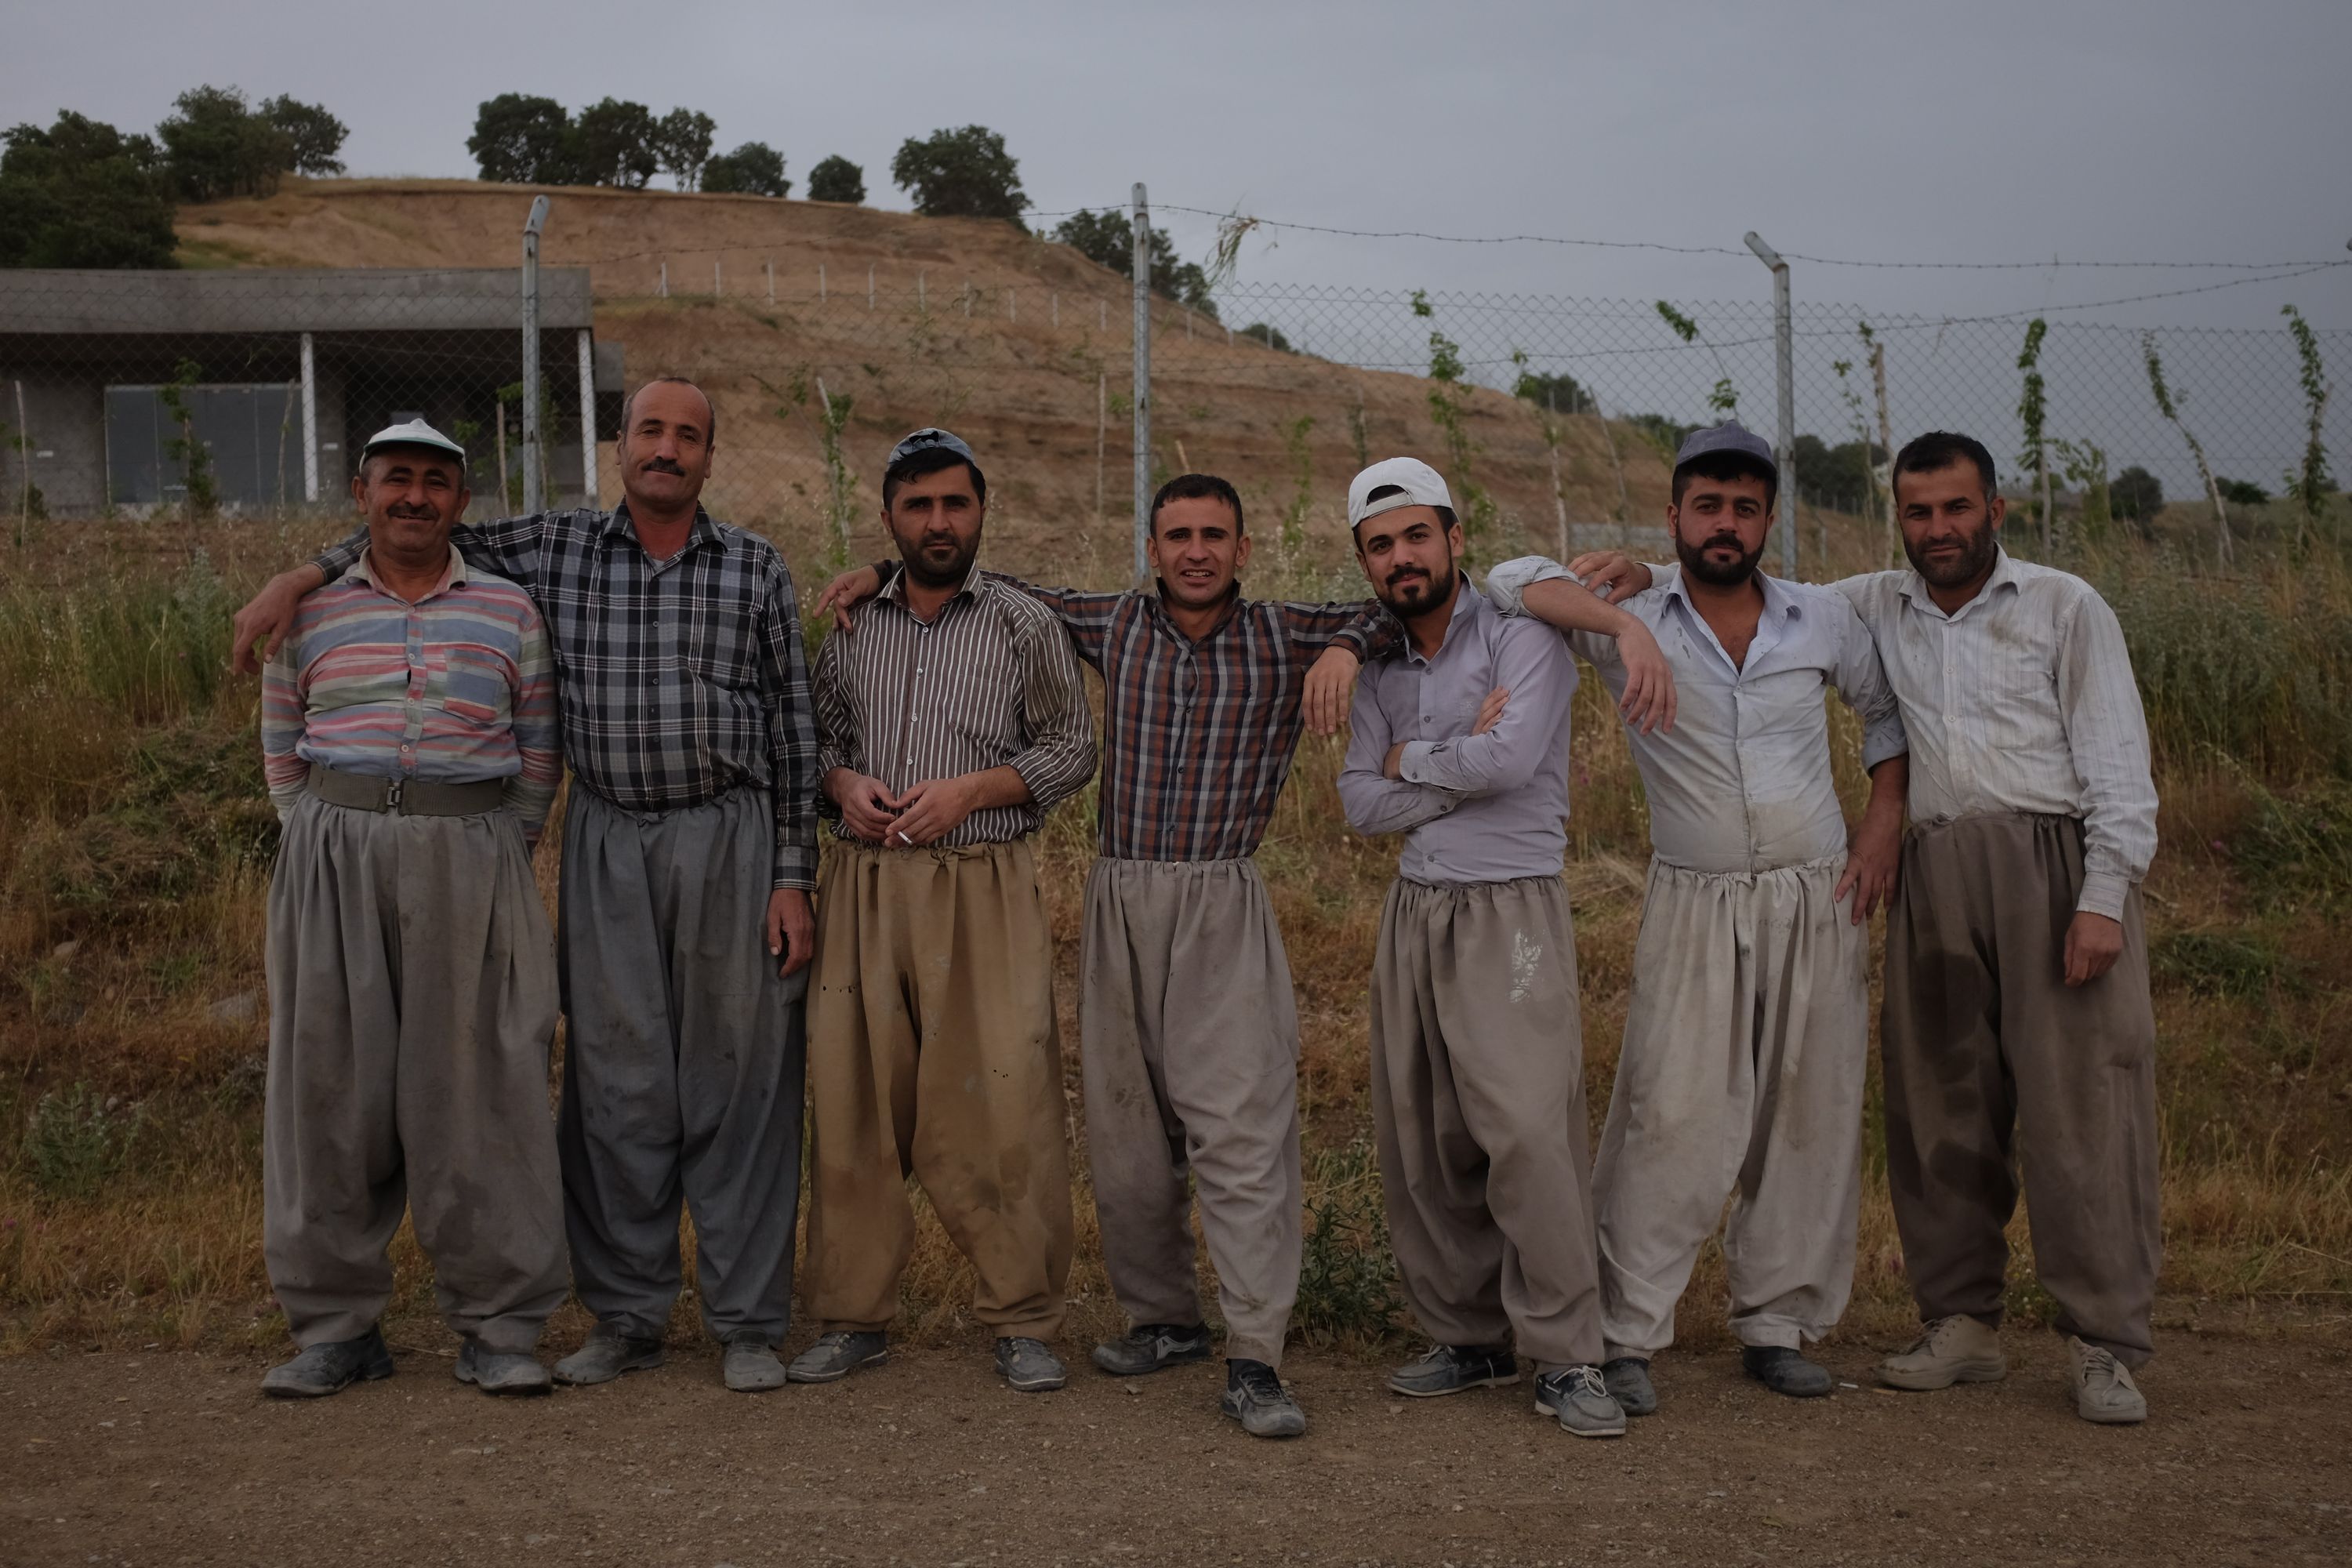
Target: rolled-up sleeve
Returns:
[[2107, 729], [1508, 584], [1060, 756]]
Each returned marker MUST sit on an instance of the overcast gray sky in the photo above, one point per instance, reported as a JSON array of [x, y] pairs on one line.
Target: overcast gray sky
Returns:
[[1959, 130]]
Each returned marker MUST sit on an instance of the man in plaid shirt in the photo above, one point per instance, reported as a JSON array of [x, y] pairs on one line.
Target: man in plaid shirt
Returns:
[[688, 855], [1190, 1033]]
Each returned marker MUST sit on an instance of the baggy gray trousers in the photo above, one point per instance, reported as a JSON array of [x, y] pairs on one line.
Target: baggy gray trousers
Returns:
[[1190, 1058], [412, 1005], [1746, 1046], [1478, 1105], [683, 1064]]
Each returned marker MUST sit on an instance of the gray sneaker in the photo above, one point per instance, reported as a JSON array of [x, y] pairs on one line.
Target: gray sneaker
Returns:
[[837, 1354], [2103, 1389], [1784, 1371], [1957, 1349], [1028, 1365], [750, 1365], [1148, 1347], [1255, 1397], [607, 1354], [1577, 1395], [324, 1369], [1627, 1379], [501, 1372], [1454, 1369]]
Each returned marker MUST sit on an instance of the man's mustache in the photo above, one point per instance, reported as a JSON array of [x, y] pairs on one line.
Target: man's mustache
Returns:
[[661, 466], [408, 513], [1730, 542], [1403, 573]]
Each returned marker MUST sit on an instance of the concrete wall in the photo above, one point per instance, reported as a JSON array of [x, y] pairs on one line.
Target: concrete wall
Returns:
[[51, 302]]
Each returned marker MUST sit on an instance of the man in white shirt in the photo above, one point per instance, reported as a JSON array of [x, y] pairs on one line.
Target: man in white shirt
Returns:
[[1747, 1036], [2016, 994]]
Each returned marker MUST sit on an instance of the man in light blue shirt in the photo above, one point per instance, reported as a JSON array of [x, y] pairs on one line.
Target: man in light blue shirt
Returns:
[[1460, 741], [1747, 1037]]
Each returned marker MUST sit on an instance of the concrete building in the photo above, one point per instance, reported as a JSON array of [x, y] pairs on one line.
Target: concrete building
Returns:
[[107, 378]]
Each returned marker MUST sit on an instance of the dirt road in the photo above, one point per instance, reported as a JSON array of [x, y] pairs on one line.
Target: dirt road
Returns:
[[171, 1459]]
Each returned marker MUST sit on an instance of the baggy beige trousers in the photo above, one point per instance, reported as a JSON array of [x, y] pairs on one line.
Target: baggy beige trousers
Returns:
[[1985, 1049], [1189, 1043], [1478, 1106], [932, 1050], [412, 1008], [1746, 1044]]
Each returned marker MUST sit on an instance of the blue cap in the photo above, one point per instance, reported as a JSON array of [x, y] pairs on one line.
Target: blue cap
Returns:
[[1728, 437], [929, 438]]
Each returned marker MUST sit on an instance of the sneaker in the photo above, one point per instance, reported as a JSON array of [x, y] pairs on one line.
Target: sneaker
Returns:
[[1028, 1365], [1627, 1379], [1255, 1397], [329, 1368], [2103, 1389], [750, 1365], [501, 1372], [1148, 1347], [1957, 1349], [1784, 1371], [1454, 1369], [608, 1353], [1582, 1402], [837, 1354]]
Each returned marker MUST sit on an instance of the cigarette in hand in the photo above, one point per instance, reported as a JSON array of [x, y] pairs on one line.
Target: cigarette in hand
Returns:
[[904, 839]]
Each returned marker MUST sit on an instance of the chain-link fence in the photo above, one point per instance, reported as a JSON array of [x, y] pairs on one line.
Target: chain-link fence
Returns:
[[246, 391]]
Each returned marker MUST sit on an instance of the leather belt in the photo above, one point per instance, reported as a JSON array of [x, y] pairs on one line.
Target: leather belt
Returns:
[[409, 797]]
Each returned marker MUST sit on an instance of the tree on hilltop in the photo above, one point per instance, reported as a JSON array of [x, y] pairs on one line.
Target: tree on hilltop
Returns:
[[523, 140], [613, 143], [680, 142], [964, 173], [217, 147], [313, 136], [836, 179], [82, 193], [1107, 239], [754, 169]]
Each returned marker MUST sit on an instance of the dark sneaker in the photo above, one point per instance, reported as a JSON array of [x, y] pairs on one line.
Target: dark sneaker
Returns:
[[751, 1366], [329, 1368], [1148, 1347], [608, 1353], [837, 1354], [1255, 1397], [1454, 1369], [1577, 1395], [2103, 1389], [1028, 1365], [1627, 1379], [1784, 1371], [503, 1371]]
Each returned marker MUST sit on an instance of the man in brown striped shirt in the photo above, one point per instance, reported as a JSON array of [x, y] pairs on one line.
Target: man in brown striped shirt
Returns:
[[952, 719]]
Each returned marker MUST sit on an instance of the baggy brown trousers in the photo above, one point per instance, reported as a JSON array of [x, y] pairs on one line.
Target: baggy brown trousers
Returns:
[[1190, 1041], [1478, 1106], [1987, 1049], [932, 1050]]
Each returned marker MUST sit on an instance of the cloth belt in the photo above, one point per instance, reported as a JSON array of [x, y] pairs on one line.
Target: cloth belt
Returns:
[[409, 797]]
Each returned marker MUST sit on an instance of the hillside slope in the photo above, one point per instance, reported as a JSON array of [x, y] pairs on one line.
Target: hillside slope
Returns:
[[1020, 345]]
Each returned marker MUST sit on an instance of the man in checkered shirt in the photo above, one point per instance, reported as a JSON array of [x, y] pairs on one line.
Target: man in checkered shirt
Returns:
[[690, 851]]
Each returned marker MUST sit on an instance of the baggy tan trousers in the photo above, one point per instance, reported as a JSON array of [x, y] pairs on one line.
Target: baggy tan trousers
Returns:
[[934, 1049], [1190, 1042], [1478, 1106], [1986, 1047], [682, 1068], [1746, 1044], [412, 1007]]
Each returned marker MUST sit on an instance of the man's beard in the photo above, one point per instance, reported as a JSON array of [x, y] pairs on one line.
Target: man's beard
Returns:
[[1974, 560], [922, 569], [1695, 560], [1417, 596]]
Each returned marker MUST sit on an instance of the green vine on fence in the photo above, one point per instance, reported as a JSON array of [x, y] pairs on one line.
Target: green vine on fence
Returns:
[[1449, 410], [2032, 410], [1725, 398], [2310, 488], [2166, 406], [1302, 472], [202, 491]]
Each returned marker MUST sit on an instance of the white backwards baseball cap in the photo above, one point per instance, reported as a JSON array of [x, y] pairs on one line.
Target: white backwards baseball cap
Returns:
[[1420, 485], [415, 433]]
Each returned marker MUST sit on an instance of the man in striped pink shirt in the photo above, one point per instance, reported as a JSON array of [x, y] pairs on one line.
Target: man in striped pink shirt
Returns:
[[409, 735]]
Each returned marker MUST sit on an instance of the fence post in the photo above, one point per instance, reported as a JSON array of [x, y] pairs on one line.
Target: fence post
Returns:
[[534, 498], [870, 285], [715, 288], [820, 284], [1886, 440], [310, 422], [588, 419], [1141, 223], [664, 286], [771, 279], [1784, 351], [24, 467]]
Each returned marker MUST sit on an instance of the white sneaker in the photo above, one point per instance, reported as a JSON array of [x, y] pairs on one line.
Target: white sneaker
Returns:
[[1957, 1349], [2103, 1389]]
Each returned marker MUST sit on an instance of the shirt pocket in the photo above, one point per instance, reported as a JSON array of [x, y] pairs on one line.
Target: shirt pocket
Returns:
[[479, 687]]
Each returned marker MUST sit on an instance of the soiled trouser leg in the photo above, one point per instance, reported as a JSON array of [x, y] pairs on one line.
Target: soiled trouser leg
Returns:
[[1191, 1054], [408, 1064], [684, 1066], [1478, 1104], [1986, 1047]]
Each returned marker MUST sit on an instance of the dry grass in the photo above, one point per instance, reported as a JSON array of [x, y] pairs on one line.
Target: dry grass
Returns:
[[134, 849]]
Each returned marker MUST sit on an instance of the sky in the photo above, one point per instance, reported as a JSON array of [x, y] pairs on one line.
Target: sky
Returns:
[[1982, 131]]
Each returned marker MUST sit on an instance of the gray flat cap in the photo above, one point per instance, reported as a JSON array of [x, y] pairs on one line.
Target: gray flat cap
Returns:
[[1728, 437]]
